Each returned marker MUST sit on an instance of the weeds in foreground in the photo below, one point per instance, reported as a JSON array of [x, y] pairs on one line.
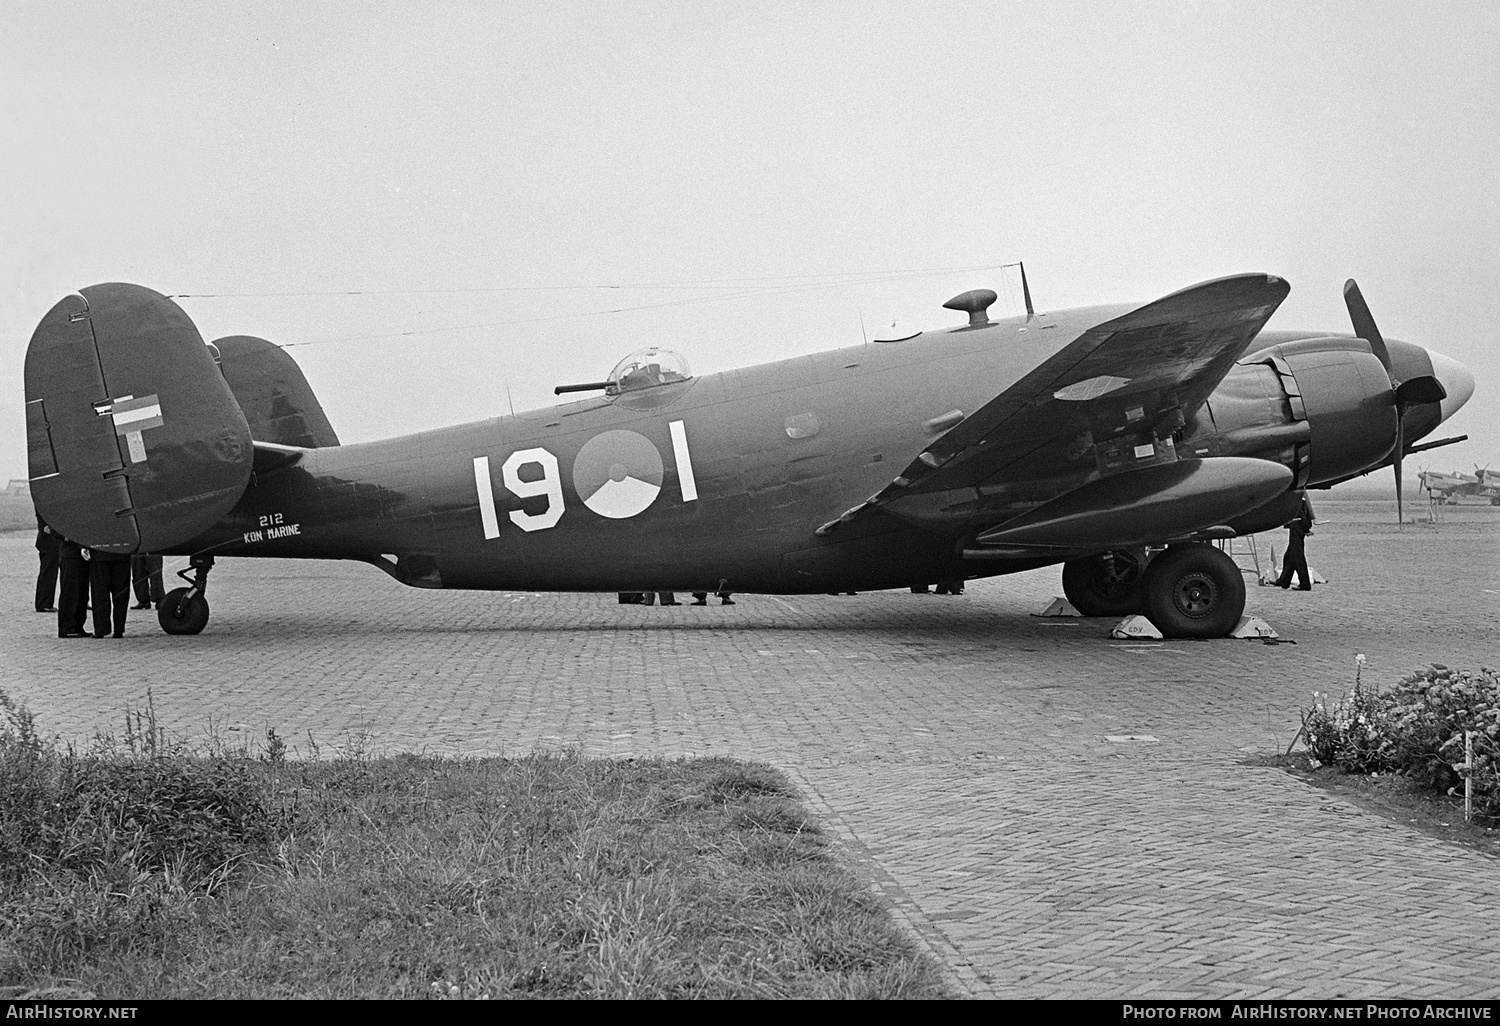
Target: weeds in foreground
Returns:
[[163, 875], [109, 850], [1417, 729]]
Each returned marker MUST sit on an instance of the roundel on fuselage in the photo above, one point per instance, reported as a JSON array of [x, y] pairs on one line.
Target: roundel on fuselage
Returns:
[[618, 474]]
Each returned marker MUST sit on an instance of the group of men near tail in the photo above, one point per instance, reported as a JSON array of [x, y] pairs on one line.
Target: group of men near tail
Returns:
[[77, 577]]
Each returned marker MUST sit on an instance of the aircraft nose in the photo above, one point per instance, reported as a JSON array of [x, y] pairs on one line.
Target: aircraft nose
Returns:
[[1458, 382]]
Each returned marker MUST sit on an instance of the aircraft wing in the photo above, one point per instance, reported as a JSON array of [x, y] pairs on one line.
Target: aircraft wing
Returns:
[[1120, 386]]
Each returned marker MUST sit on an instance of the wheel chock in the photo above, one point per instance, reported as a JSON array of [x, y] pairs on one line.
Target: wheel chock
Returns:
[[1253, 627], [1135, 627], [1059, 606]]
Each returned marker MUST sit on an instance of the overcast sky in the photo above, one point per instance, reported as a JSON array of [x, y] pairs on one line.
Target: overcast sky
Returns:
[[545, 162]]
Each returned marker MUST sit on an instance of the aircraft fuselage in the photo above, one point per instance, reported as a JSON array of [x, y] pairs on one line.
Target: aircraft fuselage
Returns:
[[718, 472], [720, 478]]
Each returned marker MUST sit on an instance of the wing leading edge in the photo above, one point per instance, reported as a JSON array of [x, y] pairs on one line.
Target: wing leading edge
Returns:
[[1107, 403]]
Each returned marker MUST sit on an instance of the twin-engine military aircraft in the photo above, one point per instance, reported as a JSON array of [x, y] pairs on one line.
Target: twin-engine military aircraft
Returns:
[[1117, 441], [1447, 488]]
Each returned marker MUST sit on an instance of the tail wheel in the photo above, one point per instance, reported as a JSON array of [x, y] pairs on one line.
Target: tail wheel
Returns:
[[1194, 591], [181, 614], [1108, 584]]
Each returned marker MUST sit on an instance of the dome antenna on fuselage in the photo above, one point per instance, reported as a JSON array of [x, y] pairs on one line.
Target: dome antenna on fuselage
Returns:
[[976, 302]]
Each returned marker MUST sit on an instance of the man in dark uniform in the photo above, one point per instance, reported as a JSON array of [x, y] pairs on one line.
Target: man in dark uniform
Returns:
[[73, 596], [109, 586], [145, 577], [47, 543], [1295, 561]]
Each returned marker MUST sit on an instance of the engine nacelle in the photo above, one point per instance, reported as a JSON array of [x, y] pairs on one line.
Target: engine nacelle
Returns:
[[1321, 406]]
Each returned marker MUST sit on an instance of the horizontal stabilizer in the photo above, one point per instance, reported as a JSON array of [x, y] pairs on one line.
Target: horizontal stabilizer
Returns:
[[1153, 504], [136, 443], [270, 457]]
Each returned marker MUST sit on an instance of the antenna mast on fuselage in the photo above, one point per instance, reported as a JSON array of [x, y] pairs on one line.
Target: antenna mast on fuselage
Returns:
[[1025, 289]]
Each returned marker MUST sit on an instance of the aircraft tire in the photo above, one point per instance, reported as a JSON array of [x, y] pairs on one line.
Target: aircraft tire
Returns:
[[179, 614], [1194, 591], [1104, 586]]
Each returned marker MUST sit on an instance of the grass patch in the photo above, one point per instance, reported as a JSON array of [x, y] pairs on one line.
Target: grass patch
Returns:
[[140, 871]]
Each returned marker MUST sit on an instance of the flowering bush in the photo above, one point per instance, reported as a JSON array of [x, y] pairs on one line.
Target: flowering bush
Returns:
[[1351, 736], [1417, 728]]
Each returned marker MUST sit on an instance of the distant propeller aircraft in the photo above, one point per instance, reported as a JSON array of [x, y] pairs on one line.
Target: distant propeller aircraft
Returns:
[[1117, 441], [1447, 488]]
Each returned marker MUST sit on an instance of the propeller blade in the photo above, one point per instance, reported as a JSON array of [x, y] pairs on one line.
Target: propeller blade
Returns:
[[1396, 466], [1364, 324], [1423, 390]]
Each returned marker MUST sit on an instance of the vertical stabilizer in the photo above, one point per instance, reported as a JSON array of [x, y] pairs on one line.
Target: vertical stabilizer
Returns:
[[135, 441], [276, 399]]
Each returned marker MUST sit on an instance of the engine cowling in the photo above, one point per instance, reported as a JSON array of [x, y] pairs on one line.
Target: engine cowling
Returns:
[[1322, 407]]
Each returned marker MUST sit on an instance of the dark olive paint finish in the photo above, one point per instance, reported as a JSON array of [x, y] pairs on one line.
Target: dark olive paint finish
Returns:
[[987, 448]]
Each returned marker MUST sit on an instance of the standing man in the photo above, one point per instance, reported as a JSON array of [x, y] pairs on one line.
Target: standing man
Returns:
[[145, 577], [48, 542], [1295, 560], [73, 596], [109, 580]]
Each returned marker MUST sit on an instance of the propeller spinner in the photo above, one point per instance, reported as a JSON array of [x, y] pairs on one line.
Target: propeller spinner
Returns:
[[1413, 391]]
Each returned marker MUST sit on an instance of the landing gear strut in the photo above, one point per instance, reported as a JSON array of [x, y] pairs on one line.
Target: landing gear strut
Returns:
[[1108, 584], [185, 610]]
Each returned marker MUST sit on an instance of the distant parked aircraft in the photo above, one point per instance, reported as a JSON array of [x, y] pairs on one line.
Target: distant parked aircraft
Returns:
[[1448, 488]]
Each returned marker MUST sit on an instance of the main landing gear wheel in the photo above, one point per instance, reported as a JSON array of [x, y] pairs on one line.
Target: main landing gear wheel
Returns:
[[1194, 591], [1108, 584], [183, 611]]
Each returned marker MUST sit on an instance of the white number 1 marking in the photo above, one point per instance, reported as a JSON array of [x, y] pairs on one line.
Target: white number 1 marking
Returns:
[[486, 497], [684, 461]]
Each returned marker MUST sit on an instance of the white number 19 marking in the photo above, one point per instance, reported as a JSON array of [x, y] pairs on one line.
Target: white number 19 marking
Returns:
[[550, 484]]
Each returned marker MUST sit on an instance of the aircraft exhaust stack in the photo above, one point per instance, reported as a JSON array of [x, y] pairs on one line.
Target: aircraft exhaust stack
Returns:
[[135, 441]]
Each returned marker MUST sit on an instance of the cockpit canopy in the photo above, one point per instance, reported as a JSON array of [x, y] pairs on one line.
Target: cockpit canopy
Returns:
[[647, 368]]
